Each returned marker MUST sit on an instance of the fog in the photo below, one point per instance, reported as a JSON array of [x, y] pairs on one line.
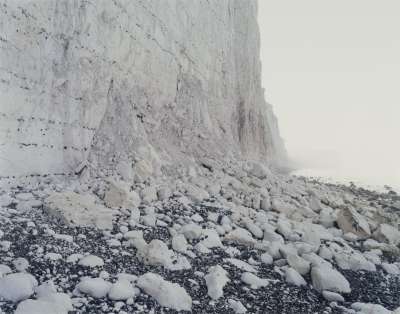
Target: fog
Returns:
[[332, 71]]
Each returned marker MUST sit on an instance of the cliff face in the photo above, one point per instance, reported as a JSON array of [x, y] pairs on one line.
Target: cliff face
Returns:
[[117, 82]]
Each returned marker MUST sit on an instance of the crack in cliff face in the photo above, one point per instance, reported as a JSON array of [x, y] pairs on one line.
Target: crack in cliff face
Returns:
[[117, 80], [180, 47]]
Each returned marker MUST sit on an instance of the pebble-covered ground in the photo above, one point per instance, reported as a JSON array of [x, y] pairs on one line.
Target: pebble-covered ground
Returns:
[[31, 236]]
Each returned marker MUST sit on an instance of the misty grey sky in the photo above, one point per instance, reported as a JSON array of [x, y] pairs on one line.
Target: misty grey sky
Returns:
[[332, 71]]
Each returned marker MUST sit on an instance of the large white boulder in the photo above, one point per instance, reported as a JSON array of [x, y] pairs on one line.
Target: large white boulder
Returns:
[[298, 263], [271, 236], [370, 308], [121, 290], [350, 221], [387, 233], [53, 303], [294, 278], [157, 253], [353, 260], [210, 238], [191, 231], [326, 278], [216, 279], [79, 209], [392, 269], [91, 261], [253, 228], [179, 243], [240, 236], [166, 293], [18, 286], [95, 287], [254, 281]]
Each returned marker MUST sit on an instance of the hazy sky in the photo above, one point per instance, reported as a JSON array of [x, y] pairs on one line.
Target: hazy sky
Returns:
[[332, 71]]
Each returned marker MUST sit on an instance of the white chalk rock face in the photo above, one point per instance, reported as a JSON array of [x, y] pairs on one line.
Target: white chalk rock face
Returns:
[[130, 81], [166, 293]]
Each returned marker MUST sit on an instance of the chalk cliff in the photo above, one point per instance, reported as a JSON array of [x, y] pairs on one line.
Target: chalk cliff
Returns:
[[114, 83]]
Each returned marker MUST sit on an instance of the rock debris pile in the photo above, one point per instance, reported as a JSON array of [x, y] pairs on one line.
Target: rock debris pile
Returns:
[[234, 239]]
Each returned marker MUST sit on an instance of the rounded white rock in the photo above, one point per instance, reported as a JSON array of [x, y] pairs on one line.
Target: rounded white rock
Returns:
[[21, 264], [332, 296], [121, 290], [253, 281], [326, 278], [18, 286], [91, 261], [293, 277], [266, 258], [95, 287]]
